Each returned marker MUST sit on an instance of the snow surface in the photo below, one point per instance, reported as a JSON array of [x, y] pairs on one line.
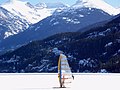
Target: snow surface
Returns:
[[84, 81], [75, 21], [99, 4], [29, 12]]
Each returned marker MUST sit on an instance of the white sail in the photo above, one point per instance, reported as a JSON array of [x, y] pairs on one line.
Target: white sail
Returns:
[[64, 71]]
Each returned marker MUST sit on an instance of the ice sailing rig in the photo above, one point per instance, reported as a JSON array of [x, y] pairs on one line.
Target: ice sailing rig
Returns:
[[64, 72]]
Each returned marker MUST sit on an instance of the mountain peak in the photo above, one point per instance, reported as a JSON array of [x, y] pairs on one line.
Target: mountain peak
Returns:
[[41, 5], [98, 4], [51, 5], [90, 3], [27, 11], [87, 2], [14, 2], [56, 5]]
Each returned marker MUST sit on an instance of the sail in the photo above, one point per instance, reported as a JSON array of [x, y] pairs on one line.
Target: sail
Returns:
[[64, 71]]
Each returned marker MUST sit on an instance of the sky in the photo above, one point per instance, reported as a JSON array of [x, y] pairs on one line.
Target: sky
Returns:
[[114, 3]]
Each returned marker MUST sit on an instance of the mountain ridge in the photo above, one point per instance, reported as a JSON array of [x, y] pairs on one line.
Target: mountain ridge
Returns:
[[99, 4], [29, 12]]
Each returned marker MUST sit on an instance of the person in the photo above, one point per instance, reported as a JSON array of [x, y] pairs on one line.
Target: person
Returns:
[[61, 81], [59, 53]]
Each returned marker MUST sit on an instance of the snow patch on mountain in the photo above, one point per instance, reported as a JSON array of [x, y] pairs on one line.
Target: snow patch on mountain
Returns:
[[56, 5], [109, 44], [10, 24], [55, 23], [99, 4], [118, 9], [40, 5], [29, 12]]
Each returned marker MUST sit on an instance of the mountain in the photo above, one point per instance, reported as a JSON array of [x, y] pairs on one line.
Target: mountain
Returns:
[[16, 16], [62, 20], [10, 24], [29, 12], [99, 4], [96, 50]]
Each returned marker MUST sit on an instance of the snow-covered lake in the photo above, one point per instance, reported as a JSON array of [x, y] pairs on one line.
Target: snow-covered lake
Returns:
[[50, 82]]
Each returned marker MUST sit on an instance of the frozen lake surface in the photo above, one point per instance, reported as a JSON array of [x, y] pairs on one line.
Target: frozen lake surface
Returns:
[[50, 82]]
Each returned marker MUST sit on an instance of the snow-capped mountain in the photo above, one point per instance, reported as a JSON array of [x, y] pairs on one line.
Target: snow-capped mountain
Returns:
[[70, 19], [10, 24], [27, 11], [99, 4]]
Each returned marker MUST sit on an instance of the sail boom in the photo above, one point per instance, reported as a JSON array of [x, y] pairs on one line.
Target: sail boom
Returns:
[[66, 78]]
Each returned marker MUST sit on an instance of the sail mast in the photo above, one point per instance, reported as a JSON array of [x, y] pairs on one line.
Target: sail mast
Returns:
[[59, 71]]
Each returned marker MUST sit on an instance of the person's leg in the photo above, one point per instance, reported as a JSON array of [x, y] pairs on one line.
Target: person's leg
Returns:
[[60, 81], [60, 85], [63, 81]]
